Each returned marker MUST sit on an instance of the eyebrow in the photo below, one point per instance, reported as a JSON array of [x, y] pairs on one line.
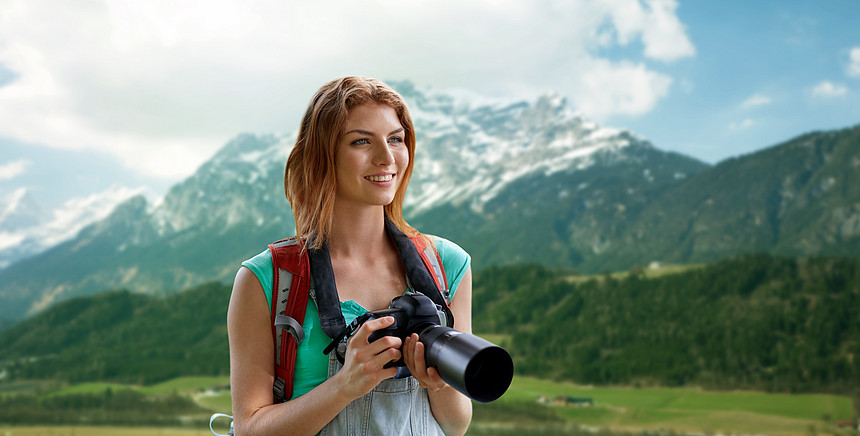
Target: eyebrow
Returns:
[[369, 133]]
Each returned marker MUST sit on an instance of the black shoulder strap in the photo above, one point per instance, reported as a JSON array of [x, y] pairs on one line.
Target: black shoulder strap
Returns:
[[328, 302], [419, 277]]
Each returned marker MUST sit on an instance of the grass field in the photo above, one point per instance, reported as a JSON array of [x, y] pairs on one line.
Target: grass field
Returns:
[[99, 431], [688, 410], [178, 385]]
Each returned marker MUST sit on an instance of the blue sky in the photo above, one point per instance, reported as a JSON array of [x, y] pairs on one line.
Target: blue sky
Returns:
[[754, 76], [102, 93]]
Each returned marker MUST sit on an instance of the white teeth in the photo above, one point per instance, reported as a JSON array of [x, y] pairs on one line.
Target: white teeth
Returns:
[[385, 178]]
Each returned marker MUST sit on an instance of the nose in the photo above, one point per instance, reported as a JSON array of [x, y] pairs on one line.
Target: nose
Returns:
[[382, 155]]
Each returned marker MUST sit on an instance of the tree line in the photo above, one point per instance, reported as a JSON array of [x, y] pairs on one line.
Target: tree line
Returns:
[[753, 321]]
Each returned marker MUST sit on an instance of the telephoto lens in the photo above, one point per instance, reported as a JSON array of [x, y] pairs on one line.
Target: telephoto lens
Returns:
[[477, 368]]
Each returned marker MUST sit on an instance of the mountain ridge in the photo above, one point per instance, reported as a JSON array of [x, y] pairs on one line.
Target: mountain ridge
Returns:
[[510, 181], [233, 204]]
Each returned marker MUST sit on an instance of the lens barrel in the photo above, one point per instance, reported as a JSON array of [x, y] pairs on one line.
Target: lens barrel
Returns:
[[474, 366]]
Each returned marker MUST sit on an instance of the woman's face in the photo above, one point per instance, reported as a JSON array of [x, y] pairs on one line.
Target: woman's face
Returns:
[[371, 156]]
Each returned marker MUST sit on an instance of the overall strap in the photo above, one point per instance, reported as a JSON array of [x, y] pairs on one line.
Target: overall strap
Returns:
[[290, 290]]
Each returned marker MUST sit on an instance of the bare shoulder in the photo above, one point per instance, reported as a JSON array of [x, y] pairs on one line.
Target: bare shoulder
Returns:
[[248, 294]]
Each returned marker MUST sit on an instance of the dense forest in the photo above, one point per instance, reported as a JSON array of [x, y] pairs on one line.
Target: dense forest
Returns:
[[123, 407], [123, 337], [754, 321]]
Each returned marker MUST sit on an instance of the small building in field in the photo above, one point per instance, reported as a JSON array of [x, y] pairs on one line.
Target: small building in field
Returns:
[[852, 424], [565, 401]]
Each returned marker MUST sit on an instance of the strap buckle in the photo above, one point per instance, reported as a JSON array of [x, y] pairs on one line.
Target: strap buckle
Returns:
[[292, 327], [278, 388]]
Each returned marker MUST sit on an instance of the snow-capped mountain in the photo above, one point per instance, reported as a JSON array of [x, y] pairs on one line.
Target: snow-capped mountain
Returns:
[[27, 228], [490, 174], [472, 147]]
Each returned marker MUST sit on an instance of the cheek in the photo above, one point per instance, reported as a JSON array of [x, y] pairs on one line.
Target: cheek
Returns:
[[346, 165], [402, 158]]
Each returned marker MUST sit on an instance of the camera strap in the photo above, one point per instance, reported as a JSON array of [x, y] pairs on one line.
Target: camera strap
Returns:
[[418, 268], [345, 333], [418, 274], [328, 302]]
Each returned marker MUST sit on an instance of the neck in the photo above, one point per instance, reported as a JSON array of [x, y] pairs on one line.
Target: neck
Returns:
[[357, 231]]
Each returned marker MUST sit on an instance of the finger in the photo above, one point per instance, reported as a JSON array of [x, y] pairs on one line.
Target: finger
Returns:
[[430, 377], [384, 357], [434, 374], [367, 352], [409, 352], [414, 359], [418, 357], [371, 326]]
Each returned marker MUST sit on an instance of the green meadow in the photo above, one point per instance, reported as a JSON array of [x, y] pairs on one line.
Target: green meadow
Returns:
[[614, 410], [182, 385], [100, 431], [687, 409]]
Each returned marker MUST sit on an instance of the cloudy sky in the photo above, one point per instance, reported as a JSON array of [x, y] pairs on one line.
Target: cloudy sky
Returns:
[[136, 94]]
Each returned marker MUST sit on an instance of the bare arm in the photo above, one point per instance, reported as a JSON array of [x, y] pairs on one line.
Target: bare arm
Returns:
[[452, 410], [252, 369]]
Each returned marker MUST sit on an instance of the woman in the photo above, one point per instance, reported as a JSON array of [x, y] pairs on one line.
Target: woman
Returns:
[[346, 175]]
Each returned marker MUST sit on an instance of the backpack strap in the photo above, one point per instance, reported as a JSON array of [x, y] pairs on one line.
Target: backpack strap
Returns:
[[290, 290], [432, 261], [423, 267]]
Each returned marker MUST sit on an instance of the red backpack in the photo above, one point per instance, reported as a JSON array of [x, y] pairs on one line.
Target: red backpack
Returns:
[[296, 269]]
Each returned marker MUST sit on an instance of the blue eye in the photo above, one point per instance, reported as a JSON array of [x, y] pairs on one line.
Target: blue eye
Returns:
[[395, 139], [361, 141]]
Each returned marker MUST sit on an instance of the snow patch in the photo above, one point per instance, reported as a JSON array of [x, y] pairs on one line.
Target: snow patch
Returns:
[[47, 229]]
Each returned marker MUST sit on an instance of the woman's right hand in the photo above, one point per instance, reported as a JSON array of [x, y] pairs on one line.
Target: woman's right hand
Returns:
[[363, 367]]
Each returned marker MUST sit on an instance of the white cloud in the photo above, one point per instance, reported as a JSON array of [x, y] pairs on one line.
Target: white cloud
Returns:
[[854, 65], [622, 88], [755, 100], [162, 85], [745, 124], [828, 89], [657, 25], [10, 170]]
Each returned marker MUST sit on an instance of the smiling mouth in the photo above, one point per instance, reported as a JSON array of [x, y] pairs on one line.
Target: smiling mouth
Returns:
[[385, 178]]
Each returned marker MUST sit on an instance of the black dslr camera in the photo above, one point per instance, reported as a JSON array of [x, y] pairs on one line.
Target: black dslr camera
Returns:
[[477, 368]]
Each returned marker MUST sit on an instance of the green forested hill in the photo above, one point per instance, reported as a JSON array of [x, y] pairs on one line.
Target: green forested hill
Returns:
[[750, 322], [123, 337], [797, 198], [754, 321]]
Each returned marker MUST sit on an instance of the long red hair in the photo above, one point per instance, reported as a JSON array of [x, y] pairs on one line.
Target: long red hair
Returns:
[[309, 179]]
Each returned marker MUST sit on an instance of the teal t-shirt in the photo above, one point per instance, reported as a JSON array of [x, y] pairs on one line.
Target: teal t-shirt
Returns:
[[311, 364]]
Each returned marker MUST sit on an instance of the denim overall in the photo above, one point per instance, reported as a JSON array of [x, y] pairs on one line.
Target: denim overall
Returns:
[[394, 407]]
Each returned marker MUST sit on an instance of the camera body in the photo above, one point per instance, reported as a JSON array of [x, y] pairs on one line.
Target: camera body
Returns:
[[412, 313], [479, 369]]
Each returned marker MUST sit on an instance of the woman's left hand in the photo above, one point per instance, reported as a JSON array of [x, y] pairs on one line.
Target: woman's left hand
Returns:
[[413, 356]]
